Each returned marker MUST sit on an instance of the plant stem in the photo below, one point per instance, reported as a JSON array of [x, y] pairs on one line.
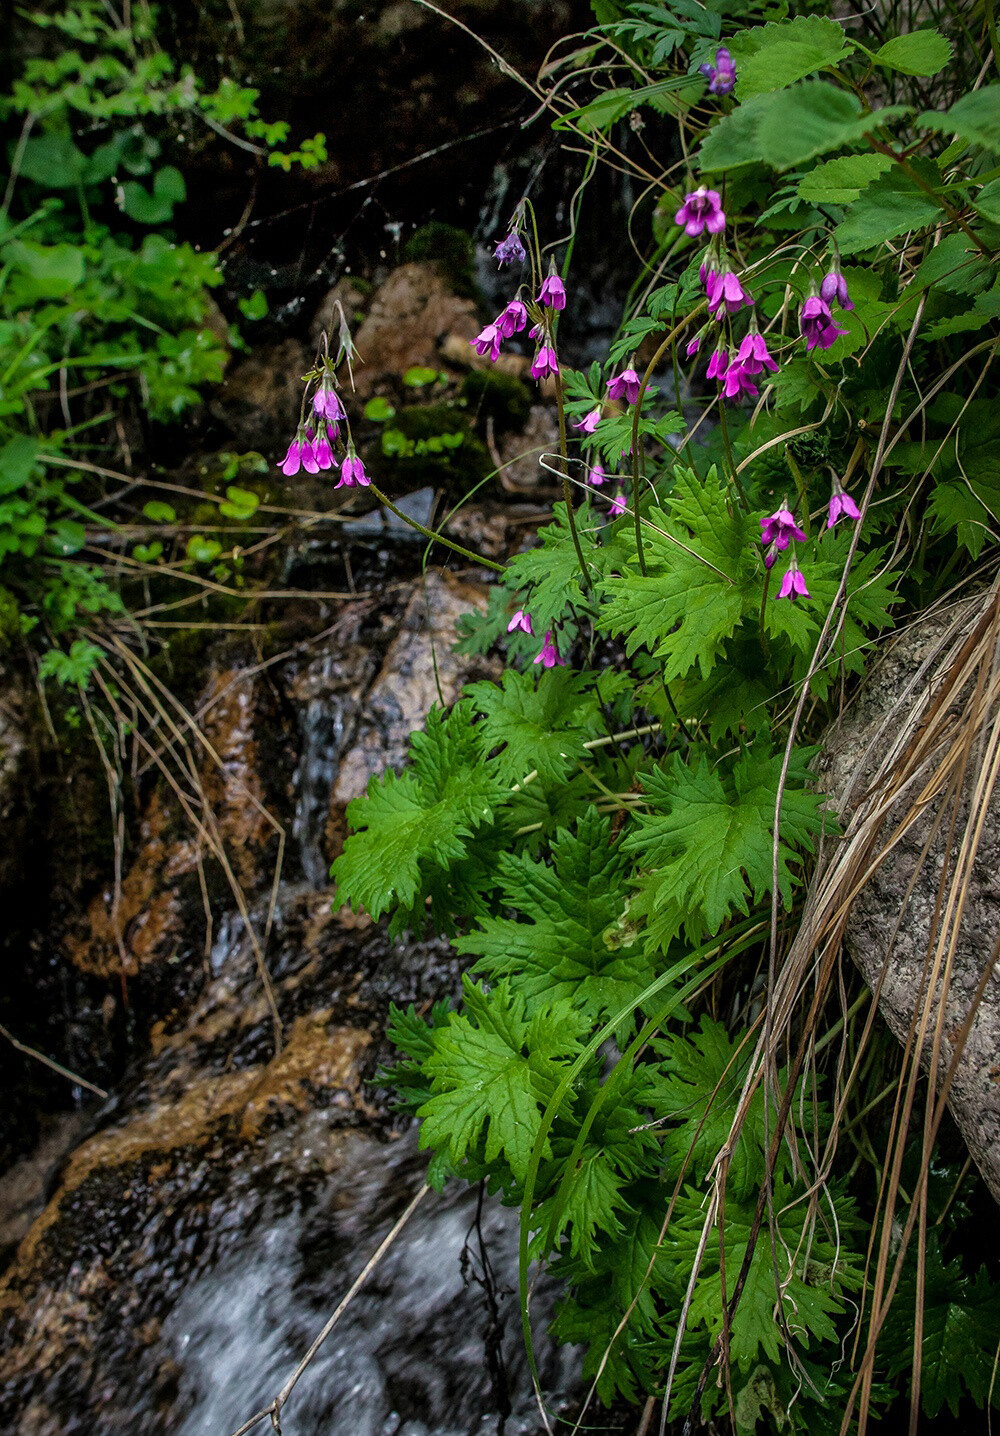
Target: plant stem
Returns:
[[991, 30], [436, 537], [567, 493], [637, 414], [800, 485], [724, 426]]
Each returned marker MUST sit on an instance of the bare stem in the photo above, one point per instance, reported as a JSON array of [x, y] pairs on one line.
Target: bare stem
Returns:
[[435, 537], [567, 493]]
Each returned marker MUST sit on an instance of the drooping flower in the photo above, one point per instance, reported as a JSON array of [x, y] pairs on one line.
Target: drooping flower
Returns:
[[548, 655], [842, 506], [722, 75], [753, 354], [522, 622], [718, 364], [625, 385], [552, 292], [326, 403], [693, 345], [352, 472], [513, 319], [702, 210], [544, 363], [597, 475], [737, 382], [617, 507], [487, 342], [300, 455], [589, 422], [833, 290], [510, 250], [725, 291], [816, 323], [707, 271], [778, 529], [322, 452], [793, 585]]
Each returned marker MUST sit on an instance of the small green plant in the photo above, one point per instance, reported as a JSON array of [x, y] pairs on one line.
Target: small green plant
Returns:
[[103, 316]]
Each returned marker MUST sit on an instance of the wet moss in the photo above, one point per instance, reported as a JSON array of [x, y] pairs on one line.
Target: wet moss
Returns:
[[450, 248], [433, 444], [502, 397]]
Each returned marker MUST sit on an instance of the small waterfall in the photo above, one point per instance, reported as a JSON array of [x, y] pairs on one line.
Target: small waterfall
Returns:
[[409, 1355], [328, 703]]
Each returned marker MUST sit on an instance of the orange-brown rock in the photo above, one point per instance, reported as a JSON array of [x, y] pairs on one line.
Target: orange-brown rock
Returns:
[[410, 313]]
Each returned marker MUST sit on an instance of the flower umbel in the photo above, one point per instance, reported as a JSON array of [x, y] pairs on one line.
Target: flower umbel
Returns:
[[702, 210], [548, 655]]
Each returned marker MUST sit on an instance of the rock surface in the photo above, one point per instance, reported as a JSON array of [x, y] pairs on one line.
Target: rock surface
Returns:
[[410, 313], [229, 1175], [891, 926]]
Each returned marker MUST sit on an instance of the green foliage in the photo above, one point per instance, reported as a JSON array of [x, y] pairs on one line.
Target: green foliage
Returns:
[[608, 841], [104, 315]]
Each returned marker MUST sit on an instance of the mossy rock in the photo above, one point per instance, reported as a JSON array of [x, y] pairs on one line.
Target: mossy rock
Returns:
[[450, 248], [502, 397], [433, 444]]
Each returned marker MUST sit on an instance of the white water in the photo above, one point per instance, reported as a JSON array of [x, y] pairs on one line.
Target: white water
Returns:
[[407, 1358]]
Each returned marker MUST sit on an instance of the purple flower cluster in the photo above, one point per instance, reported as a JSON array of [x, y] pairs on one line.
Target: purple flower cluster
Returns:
[[312, 449], [548, 654], [777, 532], [514, 318], [727, 293]]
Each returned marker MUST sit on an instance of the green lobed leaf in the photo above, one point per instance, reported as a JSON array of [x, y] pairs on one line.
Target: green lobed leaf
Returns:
[[771, 57], [702, 575], [921, 52], [841, 181], [492, 1070], [891, 205]]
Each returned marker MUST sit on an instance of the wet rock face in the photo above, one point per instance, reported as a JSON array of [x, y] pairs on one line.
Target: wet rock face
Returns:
[[233, 1185], [894, 917]]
